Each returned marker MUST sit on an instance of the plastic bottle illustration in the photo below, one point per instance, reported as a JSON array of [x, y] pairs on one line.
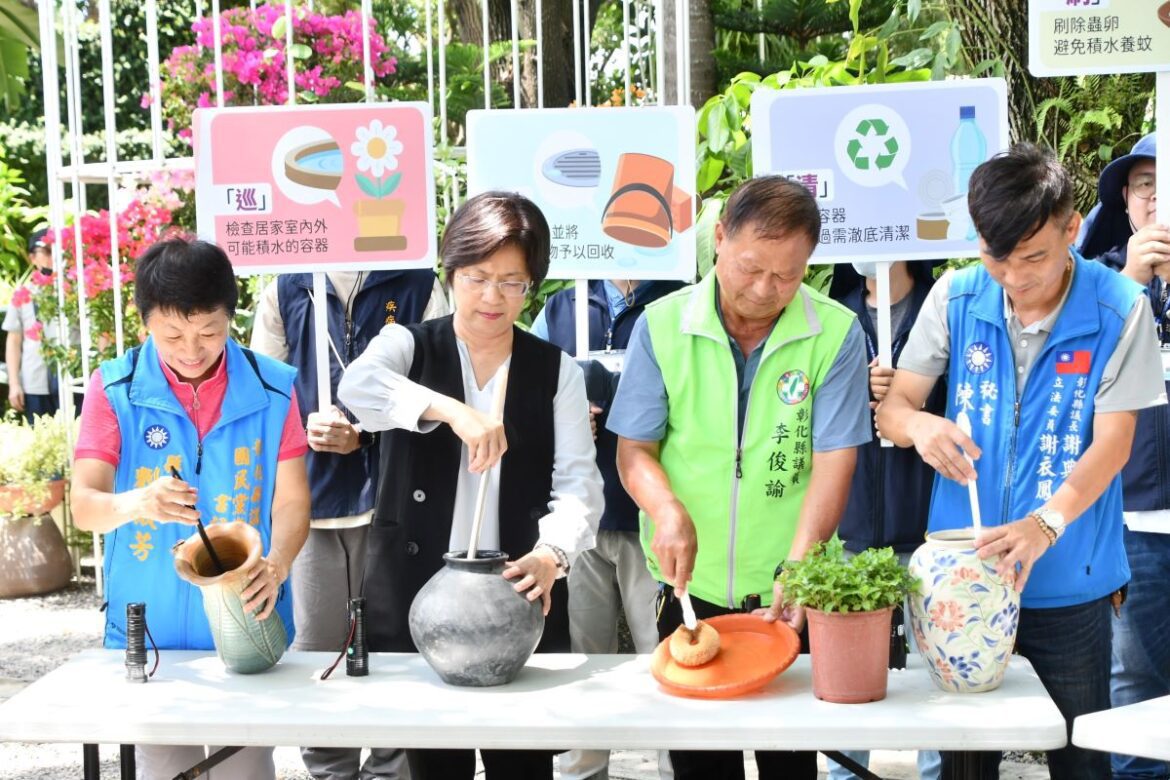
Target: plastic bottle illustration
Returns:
[[968, 151]]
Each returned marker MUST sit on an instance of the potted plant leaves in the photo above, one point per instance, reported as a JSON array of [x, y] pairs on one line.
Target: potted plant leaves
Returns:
[[33, 464], [849, 601]]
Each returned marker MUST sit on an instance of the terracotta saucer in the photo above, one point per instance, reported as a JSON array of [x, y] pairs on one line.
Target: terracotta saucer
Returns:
[[751, 653]]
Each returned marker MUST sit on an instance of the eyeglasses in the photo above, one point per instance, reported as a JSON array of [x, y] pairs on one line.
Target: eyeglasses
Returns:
[[1144, 187], [478, 284]]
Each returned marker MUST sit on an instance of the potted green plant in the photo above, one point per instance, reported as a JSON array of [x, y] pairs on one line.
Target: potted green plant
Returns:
[[34, 461], [848, 602]]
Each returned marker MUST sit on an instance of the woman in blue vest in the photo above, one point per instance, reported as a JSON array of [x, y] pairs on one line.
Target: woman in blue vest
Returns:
[[431, 386], [1123, 233], [190, 401]]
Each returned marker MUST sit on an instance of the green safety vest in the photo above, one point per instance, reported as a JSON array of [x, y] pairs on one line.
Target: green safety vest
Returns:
[[744, 494]]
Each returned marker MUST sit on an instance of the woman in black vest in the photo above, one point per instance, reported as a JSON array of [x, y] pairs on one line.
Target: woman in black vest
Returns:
[[431, 386]]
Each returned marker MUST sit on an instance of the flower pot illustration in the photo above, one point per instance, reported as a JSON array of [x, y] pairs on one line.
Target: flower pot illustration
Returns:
[[379, 225], [645, 209], [379, 220], [964, 615], [470, 625], [244, 644]]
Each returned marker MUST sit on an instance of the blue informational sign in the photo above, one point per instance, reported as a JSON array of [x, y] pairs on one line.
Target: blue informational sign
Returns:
[[887, 163], [616, 186]]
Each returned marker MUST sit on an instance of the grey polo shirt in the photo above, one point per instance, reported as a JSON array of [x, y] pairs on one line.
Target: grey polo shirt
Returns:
[[1133, 374]]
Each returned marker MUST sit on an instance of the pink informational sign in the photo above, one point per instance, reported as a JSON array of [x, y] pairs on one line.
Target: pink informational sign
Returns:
[[317, 188]]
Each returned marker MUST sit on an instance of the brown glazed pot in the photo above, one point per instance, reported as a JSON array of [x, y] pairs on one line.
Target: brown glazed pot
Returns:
[[33, 557], [244, 644], [850, 654]]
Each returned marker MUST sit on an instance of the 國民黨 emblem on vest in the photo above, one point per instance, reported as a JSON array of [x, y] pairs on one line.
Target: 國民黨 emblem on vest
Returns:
[[156, 437], [978, 358], [793, 387]]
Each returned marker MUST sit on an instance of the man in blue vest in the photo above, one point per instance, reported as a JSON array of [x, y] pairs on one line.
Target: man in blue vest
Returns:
[[342, 462], [1053, 357]]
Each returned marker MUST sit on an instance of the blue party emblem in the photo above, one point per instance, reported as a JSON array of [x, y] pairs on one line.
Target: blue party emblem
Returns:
[[156, 437], [793, 387], [978, 358]]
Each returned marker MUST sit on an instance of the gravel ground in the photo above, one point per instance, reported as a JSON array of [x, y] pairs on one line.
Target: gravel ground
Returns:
[[40, 633]]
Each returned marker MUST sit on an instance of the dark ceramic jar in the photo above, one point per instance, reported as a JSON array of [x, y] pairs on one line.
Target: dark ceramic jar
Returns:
[[470, 625]]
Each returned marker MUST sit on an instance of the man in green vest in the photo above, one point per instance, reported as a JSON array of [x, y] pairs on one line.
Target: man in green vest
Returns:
[[739, 411]]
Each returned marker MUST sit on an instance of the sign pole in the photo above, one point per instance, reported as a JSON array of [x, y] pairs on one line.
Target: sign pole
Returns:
[[884, 328], [321, 342], [1162, 126]]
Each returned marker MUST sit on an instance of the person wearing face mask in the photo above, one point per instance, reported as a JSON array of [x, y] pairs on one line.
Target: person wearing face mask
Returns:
[[1122, 232], [32, 388], [889, 497]]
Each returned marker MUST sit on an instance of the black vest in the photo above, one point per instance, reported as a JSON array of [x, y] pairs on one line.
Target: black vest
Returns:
[[411, 528]]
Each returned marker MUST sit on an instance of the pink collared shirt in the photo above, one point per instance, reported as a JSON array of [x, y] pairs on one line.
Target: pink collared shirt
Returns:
[[101, 438]]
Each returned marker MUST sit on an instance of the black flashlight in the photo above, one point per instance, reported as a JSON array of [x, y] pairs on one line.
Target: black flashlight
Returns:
[[136, 642], [357, 656]]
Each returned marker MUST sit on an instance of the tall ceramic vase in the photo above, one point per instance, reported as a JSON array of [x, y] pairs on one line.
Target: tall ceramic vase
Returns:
[[470, 625], [244, 644], [963, 615]]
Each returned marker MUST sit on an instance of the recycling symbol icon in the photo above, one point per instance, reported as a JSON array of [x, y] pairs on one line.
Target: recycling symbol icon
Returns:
[[858, 152]]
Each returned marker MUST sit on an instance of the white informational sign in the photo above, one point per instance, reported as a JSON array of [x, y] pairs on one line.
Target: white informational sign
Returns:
[[616, 186], [888, 163]]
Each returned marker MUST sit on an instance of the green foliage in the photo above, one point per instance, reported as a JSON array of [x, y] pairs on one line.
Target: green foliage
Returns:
[[465, 82], [18, 220], [19, 37], [828, 581], [1090, 122], [32, 456]]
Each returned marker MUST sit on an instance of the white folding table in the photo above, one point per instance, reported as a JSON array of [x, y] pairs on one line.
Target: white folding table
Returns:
[[559, 701], [1141, 729]]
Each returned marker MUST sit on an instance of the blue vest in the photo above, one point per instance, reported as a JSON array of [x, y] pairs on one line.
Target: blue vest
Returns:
[[345, 485], [233, 469], [1031, 443]]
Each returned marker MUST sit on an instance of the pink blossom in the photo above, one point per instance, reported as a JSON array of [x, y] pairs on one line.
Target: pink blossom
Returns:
[[20, 296], [33, 332]]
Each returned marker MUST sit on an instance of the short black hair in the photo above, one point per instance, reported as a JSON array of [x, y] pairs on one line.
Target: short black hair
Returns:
[[184, 277], [490, 221], [774, 207], [1012, 196]]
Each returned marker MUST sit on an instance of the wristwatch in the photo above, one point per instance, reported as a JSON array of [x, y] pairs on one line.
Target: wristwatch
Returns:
[[1051, 519], [366, 438]]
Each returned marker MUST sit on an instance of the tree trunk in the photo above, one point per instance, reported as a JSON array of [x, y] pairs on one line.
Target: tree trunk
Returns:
[[701, 65], [556, 48]]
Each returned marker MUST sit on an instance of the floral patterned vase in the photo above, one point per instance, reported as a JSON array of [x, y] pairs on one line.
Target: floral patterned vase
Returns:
[[963, 614]]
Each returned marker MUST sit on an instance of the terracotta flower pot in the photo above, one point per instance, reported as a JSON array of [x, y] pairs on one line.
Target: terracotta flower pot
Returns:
[[33, 557], [850, 655], [645, 209], [964, 615], [244, 644], [13, 496]]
